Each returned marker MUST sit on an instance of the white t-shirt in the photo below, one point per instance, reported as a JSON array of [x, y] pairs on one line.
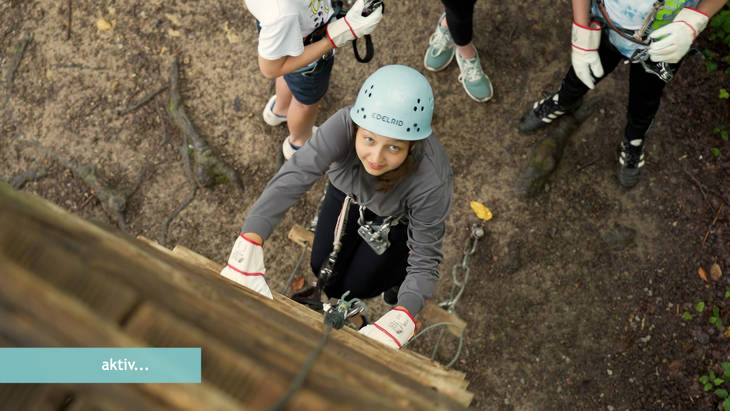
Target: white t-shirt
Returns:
[[285, 23], [630, 15]]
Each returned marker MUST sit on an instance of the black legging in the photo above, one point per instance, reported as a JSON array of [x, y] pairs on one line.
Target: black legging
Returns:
[[459, 17], [358, 268], [645, 90]]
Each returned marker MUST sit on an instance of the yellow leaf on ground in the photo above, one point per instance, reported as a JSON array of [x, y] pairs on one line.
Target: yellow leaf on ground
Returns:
[[103, 25], [173, 33], [715, 272], [481, 210], [173, 19], [703, 274]]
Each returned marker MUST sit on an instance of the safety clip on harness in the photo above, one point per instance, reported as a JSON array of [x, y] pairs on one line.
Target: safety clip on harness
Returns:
[[660, 69]]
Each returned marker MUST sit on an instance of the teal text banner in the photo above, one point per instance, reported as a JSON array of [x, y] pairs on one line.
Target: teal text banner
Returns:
[[100, 365]]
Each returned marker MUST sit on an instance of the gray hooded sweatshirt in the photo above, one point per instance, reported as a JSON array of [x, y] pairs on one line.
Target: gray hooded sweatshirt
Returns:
[[424, 196]]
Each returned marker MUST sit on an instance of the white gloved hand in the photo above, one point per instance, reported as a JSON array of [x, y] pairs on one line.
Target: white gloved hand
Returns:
[[586, 61], [246, 266], [353, 25], [393, 329], [671, 42]]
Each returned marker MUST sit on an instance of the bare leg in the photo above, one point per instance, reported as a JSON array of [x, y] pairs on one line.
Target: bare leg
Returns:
[[466, 51], [300, 120], [283, 97]]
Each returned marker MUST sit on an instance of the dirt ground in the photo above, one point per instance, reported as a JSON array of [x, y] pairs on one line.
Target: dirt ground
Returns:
[[575, 296]]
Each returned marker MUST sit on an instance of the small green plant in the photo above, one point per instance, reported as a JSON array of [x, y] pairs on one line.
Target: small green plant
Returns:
[[715, 151], [722, 131], [700, 306], [719, 39], [711, 381], [715, 319], [686, 316], [723, 94], [727, 293]]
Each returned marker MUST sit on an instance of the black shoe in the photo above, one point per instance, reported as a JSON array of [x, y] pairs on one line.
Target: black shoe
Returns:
[[543, 113], [630, 161], [390, 295]]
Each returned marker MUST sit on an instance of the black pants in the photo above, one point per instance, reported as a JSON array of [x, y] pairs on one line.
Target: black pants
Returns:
[[460, 17], [645, 90], [358, 269]]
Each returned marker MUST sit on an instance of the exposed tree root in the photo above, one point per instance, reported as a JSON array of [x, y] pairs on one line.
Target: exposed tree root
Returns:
[[13, 67], [18, 181], [548, 152], [188, 170], [143, 101], [112, 199], [208, 170]]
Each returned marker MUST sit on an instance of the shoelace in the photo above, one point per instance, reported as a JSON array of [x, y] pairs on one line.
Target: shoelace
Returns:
[[440, 40], [471, 70], [547, 106], [632, 157]]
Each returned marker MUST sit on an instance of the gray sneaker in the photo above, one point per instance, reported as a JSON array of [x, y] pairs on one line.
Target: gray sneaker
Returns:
[[475, 81], [440, 48]]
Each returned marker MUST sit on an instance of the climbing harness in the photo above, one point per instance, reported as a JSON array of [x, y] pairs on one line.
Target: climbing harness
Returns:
[[661, 69], [312, 296], [637, 36], [376, 235]]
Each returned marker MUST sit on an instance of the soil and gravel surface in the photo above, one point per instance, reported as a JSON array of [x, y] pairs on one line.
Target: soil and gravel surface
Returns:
[[576, 295]]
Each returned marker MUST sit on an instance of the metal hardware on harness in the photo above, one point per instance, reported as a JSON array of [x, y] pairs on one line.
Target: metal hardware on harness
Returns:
[[376, 235], [476, 233], [312, 296], [336, 315], [660, 69], [638, 35], [327, 269]]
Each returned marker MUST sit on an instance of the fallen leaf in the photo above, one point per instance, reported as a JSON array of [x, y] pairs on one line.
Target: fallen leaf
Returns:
[[703, 274], [297, 283], [173, 19], [715, 272], [232, 37], [103, 25], [173, 33], [481, 210]]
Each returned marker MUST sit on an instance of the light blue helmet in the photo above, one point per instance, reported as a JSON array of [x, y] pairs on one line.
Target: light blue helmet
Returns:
[[397, 102]]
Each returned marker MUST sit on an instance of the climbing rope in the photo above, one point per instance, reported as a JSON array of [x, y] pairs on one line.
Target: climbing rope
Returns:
[[335, 317]]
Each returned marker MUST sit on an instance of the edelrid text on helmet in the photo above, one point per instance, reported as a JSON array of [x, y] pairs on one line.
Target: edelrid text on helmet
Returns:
[[395, 101]]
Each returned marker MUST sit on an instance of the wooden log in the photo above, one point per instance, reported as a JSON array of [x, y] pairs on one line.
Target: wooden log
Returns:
[[202, 297], [243, 376], [432, 314], [452, 383], [301, 235], [53, 319]]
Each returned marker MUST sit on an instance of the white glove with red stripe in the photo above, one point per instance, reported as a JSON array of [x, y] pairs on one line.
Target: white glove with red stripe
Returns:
[[671, 42], [353, 25], [246, 266], [393, 329], [586, 61]]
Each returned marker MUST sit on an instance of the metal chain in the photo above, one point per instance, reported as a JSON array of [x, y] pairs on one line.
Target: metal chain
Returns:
[[459, 285], [457, 289]]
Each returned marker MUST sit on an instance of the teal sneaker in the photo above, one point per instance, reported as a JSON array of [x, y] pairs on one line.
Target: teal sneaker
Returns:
[[440, 48], [475, 81]]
